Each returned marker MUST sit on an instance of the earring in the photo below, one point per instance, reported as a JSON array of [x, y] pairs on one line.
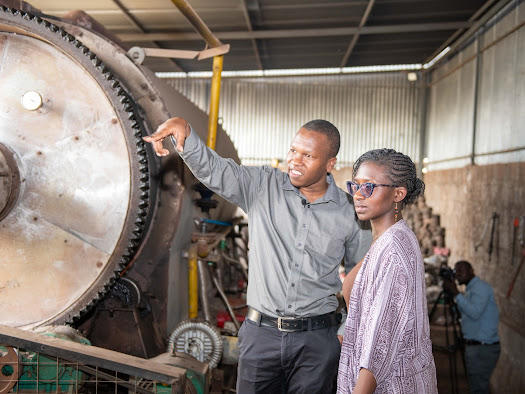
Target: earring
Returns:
[[396, 212]]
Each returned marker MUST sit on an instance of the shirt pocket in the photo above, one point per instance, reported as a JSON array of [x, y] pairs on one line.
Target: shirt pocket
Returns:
[[327, 245], [326, 253]]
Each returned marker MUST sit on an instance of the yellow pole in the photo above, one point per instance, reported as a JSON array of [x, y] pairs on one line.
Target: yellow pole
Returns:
[[214, 101], [212, 41], [193, 283], [193, 275]]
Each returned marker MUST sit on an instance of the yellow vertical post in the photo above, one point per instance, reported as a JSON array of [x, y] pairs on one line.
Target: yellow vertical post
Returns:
[[214, 101], [193, 283], [212, 41]]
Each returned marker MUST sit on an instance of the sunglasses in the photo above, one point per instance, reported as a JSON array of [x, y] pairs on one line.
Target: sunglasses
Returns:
[[366, 188]]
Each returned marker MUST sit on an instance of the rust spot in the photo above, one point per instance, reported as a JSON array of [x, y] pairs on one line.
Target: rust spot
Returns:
[[65, 241], [114, 121], [99, 264], [35, 218], [76, 138], [39, 153]]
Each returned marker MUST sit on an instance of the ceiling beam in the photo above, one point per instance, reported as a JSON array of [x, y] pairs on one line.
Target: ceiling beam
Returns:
[[295, 33], [356, 35], [134, 21], [139, 26], [250, 28], [332, 4], [458, 32]]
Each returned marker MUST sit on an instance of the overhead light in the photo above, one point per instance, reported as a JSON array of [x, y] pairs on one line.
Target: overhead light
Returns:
[[293, 71], [426, 160], [412, 77], [436, 58], [424, 170]]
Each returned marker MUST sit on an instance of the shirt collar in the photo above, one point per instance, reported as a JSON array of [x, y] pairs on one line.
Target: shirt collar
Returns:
[[472, 282], [331, 194]]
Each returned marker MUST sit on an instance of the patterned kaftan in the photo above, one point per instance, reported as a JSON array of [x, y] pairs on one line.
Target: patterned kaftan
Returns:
[[387, 329]]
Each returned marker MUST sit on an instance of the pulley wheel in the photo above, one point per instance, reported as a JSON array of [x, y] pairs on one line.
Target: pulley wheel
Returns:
[[198, 339]]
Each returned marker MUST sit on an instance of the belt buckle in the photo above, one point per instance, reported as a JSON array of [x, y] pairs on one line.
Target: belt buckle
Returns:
[[280, 325]]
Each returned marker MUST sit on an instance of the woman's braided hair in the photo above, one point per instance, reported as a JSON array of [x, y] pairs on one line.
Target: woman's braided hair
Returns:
[[400, 169]]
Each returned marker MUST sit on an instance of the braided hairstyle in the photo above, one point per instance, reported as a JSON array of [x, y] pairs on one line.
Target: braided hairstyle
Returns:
[[400, 169]]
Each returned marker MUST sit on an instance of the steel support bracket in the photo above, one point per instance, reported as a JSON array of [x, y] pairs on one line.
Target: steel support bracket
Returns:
[[139, 54]]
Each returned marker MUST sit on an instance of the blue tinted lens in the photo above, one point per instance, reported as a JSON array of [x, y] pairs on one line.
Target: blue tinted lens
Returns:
[[367, 189], [352, 187]]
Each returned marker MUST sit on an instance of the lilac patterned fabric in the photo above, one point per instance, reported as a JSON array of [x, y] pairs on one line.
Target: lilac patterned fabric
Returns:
[[387, 329]]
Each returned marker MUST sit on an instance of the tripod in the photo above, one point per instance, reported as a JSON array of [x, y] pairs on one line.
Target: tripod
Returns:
[[451, 314]]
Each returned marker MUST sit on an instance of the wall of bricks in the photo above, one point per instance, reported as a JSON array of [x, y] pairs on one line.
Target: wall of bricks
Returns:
[[466, 198]]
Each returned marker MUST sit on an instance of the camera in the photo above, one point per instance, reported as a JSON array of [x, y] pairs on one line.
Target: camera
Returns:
[[446, 273]]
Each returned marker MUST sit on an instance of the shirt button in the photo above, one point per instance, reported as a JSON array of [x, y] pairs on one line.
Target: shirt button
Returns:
[[297, 265], [304, 225], [300, 244], [293, 284], [289, 306]]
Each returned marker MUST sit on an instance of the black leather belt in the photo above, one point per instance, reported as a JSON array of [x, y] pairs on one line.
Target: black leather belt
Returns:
[[291, 324], [474, 342]]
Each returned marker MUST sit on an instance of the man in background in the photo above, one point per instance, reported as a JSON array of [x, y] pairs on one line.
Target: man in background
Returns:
[[479, 324]]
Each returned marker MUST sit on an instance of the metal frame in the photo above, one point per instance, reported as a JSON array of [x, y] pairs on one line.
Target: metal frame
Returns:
[[351, 46], [297, 33], [92, 355], [139, 26]]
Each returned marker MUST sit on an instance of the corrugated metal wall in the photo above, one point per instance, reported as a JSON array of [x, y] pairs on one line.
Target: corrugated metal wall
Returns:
[[489, 116], [261, 115]]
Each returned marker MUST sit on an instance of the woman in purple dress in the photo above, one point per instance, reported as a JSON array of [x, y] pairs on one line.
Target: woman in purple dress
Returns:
[[386, 346]]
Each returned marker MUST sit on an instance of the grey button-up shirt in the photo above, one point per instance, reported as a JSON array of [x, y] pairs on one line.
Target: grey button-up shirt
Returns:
[[296, 247]]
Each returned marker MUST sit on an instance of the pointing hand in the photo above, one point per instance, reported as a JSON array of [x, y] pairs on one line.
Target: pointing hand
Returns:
[[177, 127]]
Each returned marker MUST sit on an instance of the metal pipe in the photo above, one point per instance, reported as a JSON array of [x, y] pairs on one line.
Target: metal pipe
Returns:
[[214, 101], [226, 302], [491, 153], [477, 82], [187, 10], [203, 269], [193, 284], [423, 124]]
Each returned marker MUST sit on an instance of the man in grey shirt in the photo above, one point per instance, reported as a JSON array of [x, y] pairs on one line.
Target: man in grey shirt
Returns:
[[301, 226]]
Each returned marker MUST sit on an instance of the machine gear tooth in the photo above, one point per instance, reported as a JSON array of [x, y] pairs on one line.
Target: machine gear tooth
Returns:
[[135, 222]]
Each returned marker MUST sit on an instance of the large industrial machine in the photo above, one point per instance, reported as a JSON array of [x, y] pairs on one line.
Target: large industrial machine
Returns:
[[94, 228]]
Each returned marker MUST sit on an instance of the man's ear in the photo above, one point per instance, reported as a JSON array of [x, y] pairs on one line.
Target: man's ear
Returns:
[[400, 193], [330, 164]]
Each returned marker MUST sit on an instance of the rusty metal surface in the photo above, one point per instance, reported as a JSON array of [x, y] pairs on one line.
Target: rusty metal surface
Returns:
[[9, 371], [81, 209], [68, 220]]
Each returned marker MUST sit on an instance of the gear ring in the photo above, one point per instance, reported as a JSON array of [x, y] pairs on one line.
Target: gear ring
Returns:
[[109, 256]]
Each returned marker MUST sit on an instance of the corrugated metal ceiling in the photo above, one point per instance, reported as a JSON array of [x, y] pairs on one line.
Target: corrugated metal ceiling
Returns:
[[278, 34]]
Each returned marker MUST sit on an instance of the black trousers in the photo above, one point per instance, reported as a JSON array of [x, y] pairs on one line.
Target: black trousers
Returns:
[[271, 361]]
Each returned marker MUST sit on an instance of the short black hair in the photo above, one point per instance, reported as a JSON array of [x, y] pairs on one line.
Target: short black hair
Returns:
[[464, 263], [401, 170], [328, 129]]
